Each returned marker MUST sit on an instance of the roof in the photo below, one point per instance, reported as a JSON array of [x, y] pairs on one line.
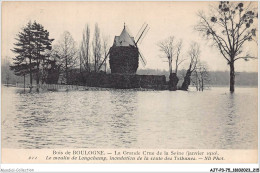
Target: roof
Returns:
[[125, 39]]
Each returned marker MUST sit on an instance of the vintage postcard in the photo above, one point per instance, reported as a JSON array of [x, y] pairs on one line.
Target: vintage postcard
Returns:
[[129, 82]]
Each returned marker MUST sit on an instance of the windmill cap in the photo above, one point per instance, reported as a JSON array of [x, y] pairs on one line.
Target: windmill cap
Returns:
[[125, 39]]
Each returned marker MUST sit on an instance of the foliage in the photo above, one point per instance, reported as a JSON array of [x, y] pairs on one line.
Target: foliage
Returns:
[[32, 44], [105, 50]]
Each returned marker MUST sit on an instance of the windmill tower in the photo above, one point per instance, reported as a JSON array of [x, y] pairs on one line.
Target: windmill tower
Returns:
[[124, 55]]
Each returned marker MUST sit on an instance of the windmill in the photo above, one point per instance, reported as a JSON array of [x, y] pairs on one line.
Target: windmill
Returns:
[[124, 55]]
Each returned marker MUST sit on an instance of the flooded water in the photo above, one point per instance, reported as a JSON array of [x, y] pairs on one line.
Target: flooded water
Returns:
[[213, 119]]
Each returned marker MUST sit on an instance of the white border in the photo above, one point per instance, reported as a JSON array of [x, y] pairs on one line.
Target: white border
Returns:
[[126, 167]]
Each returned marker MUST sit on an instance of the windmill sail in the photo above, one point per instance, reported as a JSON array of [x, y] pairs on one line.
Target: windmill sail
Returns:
[[142, 33], [143, 60], [104, 60]]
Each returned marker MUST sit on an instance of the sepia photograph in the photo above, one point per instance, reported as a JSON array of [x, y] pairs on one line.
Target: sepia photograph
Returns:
[[115, 82]]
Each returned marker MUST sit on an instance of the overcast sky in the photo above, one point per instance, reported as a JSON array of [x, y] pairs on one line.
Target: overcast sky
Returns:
[[164, 18]]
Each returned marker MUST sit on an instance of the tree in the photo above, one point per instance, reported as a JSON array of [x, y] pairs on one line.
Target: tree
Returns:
[[229, 28], [50, 68], [84, 52], [178, 61], [167, 48], [96, 44], [23, 64], [105, 50], [65, 52], [200, 77], [31, 46], [42, 45], [170, 49], [193, 53]]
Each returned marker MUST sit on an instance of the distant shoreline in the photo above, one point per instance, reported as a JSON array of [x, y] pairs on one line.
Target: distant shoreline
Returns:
[[236, 86], [63, 88]]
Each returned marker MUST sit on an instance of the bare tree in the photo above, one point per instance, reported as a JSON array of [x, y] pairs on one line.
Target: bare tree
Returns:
[[171, 51], [178, 60], [167, 48], [229, 28], [96, 44], [200, 76], [65, 52], [84, 52], [105, 50], [193, 53]]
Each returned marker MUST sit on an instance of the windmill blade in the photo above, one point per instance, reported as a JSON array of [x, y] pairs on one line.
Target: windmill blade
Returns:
[[139, 32], [143, 60], [104, 60], [144, 34]]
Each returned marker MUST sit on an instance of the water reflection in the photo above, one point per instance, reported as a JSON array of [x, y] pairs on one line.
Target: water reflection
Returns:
[[130, 119], [122, 121], [228, 133]]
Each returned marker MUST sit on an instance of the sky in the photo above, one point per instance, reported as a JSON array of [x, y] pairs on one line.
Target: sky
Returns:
[[164, 19]]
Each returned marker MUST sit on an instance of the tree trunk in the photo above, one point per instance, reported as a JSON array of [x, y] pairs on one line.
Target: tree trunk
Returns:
[[38, 78], [7, 80], [170, 67], [173, 82], [197, 82], [24, 83], [232, 77], [95, 63], [80, 64], [186, 82], [202, 84], [30, 75], [105, 66], [38, 66], [66, 68], [176, 69]]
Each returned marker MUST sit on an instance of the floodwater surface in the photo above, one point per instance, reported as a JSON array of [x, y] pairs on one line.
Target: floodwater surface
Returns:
[[213, 119]]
